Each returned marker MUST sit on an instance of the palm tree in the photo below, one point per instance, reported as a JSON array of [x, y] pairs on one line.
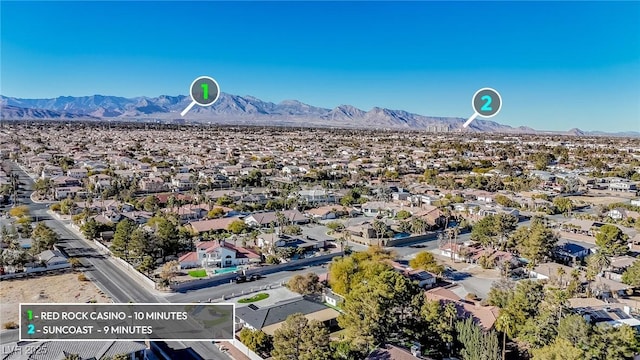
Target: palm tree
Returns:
[[561, 272], [380, 227], [418, 225], [599, 261], [505, 324]]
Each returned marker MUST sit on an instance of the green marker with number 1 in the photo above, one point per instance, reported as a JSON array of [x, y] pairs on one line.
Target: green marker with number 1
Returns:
[[205, 90]]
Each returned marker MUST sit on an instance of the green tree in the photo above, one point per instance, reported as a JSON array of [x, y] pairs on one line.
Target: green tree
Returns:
[[380, 229], [66, 206], [343, 350], [150, 203], [121, 238], [166, 234], [377, 308], [224, 201], [475, 343], [560, 349], [299, 338], [574, 329], [335, 225], [90, 229], [418, 225], [256, 340], [438, 327], [146, 265], [347, 271], [563, 204], [484, 231], [504, 225], [425, 260], [506, 326], [292, 230], [237, 227], [534, 243], [140, 244], [19, 211], [216, 212], [631, 275], [611, 240], [43, 238], [305, 284], [403, 214]]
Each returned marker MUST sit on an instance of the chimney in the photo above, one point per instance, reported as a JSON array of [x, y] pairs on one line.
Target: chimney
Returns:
[[221, 242]]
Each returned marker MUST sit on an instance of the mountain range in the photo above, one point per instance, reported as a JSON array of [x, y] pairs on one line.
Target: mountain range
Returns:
[[245, 110]]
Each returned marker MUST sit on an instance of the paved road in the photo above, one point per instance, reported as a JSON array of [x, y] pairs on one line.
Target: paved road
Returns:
[[219, 291], [102, 270]]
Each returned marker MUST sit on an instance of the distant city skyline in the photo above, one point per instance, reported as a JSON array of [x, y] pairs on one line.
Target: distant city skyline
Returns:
[[557, 65]]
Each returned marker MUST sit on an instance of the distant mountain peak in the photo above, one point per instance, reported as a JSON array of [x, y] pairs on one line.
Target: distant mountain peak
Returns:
[[235, 109]]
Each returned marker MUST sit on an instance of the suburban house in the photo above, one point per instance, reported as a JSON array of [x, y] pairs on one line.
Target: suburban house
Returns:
[[219, 254], [332, 298], [77, 173], [572, 251], [138, 217], [622, 186], [100, 181], [551, 271], [317, 196], [211, 225], [424, 279], [271, 318], [102, 205], [364, 230], [60, 181], [381, 208], [189, 211], [51, 171], [62, 193], [393, 352], [182, 181], [108, 217], [327, 212], [152, 184], [273, 240], [263, 219], [483, 316]]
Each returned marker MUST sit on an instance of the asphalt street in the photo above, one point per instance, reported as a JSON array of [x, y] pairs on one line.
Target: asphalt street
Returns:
[[217, 292]]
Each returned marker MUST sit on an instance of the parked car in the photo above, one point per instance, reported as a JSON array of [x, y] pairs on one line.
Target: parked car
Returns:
[[240, 279]]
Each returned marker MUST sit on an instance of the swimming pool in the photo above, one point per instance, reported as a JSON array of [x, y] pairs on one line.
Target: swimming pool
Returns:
[[225, 270]]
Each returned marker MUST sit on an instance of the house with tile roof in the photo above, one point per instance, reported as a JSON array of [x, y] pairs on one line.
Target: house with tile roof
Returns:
[[483, 316], [218, 254]]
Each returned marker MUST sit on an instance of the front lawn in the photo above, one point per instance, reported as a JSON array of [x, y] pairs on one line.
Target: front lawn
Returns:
[[199, 273], [256, 297]]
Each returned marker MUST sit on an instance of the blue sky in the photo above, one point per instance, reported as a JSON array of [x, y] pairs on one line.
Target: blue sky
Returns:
[[557, 65]]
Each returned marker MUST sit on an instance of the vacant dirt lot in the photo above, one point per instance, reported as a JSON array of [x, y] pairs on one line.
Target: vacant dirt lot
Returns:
[[45, 289], [597, 200]]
